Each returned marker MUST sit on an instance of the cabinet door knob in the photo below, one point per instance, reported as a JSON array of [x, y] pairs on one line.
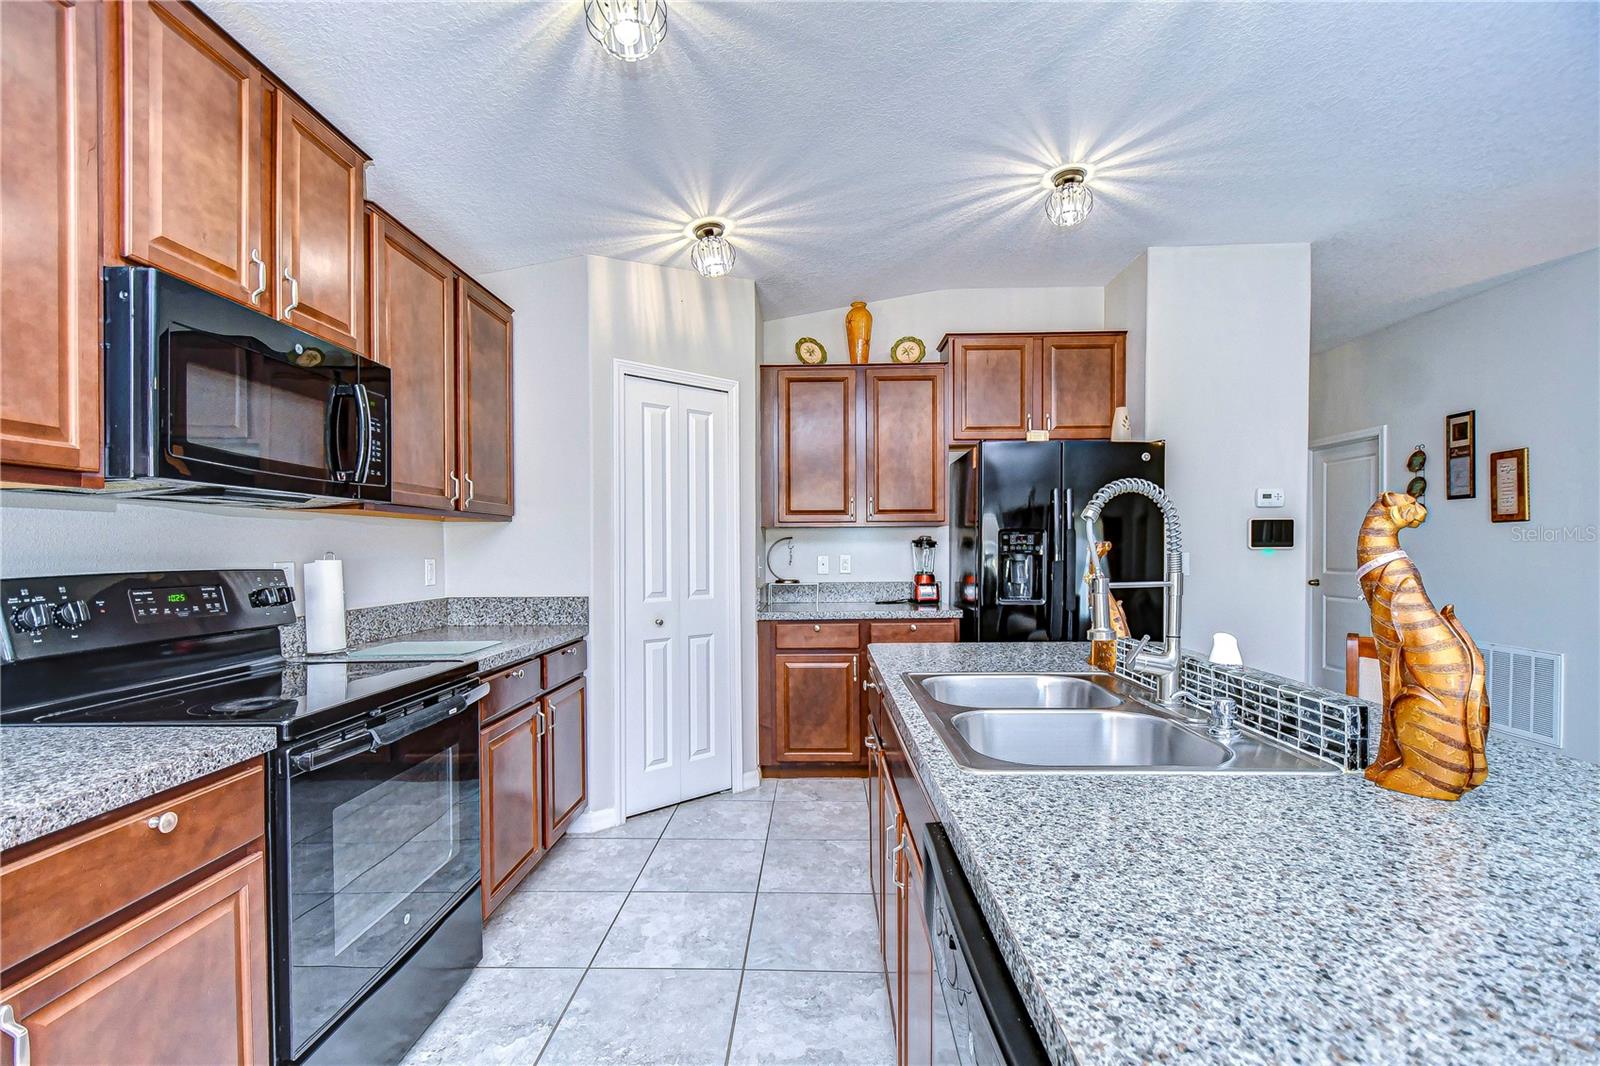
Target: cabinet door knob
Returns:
[[166, 823], [517, 672], [816, 628], [913, 627]]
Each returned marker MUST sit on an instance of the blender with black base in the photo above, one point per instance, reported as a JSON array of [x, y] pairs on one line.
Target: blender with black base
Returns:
[[924, 586]]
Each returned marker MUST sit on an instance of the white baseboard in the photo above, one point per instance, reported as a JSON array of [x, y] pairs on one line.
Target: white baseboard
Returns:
[[752, 779], [594, 821]]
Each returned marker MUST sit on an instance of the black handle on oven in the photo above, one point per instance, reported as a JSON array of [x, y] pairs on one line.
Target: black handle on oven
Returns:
[[407, 724]]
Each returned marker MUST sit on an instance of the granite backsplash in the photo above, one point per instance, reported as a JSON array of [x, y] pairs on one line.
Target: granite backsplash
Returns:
[[366, 625], [833, 592]]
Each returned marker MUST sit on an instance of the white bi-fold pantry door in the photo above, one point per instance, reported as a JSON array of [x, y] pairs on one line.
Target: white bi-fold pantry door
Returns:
[[678, 532]]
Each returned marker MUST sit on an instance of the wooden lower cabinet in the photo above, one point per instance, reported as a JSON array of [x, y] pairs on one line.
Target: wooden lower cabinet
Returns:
[[532, 755], [917, 976], [182, 982], [811, 714], [816, 720], [509, 787], [565, 776], [126, 943]]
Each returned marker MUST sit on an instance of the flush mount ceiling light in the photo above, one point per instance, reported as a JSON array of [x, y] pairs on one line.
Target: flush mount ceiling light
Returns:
[[712, 255], [628, 29], [1070, 200]]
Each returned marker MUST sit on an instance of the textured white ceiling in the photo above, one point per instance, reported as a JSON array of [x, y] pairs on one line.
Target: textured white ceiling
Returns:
[[878, 149]]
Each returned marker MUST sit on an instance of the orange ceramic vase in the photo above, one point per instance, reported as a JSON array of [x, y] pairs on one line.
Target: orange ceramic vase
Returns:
[[858, 331]]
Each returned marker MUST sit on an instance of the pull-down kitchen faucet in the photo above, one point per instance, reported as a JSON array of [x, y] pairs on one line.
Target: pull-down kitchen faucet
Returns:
[[1165, 664]]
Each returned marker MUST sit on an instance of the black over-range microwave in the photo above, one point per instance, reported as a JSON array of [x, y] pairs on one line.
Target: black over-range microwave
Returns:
[[208, 400]]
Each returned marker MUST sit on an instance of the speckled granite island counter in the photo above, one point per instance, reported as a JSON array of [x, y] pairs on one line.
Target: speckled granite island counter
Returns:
[[52, 777], [1277, 920]]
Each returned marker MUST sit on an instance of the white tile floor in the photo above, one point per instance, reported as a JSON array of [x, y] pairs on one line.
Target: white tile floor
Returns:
[[731, 929]]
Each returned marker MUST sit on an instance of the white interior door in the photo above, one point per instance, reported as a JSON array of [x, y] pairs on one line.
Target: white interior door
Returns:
[[1345, 479], [678, 517]]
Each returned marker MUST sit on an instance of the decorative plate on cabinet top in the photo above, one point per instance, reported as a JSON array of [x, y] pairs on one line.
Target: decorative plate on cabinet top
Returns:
[[810, 351], [908, 350]]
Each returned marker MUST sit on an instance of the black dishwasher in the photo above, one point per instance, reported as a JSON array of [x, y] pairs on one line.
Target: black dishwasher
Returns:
[[989, 1023]]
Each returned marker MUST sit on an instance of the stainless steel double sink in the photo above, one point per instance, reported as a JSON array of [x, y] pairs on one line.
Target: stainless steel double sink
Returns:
[[1087, 722]]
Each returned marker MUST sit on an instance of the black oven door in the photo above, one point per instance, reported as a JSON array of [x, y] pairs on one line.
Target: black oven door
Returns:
[[378, 841]]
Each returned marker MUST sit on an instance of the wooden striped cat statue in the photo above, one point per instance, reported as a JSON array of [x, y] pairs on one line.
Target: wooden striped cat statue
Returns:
[[1435, 713]]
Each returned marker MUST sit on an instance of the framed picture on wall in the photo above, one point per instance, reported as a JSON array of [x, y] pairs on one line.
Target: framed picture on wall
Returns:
[[1460, 456], [1508, 481]]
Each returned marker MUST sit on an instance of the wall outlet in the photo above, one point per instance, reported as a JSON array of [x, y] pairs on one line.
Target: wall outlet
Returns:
[[822, 564], [844, 562], [430, 575]]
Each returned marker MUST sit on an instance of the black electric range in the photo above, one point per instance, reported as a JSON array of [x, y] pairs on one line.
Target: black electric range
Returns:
[[373, 800]]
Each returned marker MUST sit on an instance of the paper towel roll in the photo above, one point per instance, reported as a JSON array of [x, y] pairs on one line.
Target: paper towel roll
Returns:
[[325, 606]]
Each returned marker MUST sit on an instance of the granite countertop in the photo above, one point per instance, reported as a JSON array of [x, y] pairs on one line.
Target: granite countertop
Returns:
[[1277, 920], [52, 777], [783, 612], [516, 642]]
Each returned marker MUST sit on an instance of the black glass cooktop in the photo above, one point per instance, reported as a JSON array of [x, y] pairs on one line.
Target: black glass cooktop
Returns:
[[295, 698]]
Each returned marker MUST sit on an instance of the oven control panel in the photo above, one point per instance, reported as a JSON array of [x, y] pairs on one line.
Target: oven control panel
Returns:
[[45, 616]]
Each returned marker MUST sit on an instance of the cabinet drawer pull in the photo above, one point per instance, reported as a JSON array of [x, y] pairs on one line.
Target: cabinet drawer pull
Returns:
[[455, 488], [898, 848], [21, 1051], [539, 716], [518, 672], [166, 823], [854, 677], [468, 501]]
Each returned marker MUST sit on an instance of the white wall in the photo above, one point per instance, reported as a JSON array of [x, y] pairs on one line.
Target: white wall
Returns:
[[42, 533], [1228, 344], [1127, 306], [1526, 357], [930, 315], [669, 318], [876, 554], [544, 550]]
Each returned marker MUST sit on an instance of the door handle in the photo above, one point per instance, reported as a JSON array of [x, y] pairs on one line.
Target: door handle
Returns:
[[1055, 520], [21, 1049], [1315, 582], [661, 621], [294, 293], [261, 276]]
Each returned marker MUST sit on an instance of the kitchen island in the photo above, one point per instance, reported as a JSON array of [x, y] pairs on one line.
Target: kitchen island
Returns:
[[1223, 919]]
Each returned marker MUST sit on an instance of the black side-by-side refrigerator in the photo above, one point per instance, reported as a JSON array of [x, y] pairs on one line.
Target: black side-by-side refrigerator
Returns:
[[1017, 552]]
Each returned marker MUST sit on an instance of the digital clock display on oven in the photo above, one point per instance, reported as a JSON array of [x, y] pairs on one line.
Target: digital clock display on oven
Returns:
[[186, 601]]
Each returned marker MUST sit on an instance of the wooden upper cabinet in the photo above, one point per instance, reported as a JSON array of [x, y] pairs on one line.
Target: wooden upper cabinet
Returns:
[[1084, 384], [817, 718], [1064, 384], [412, 328], [319, 189], [194, 184], [994, 382], [812, 416], [483, 330], [906, 458], [50, 392]]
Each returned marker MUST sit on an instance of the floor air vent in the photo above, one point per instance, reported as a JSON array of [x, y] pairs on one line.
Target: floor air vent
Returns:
[[1524, 692]]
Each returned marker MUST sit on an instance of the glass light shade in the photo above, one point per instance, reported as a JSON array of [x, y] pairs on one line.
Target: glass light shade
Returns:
[[629, 29], [712, 255], [1069, 204]]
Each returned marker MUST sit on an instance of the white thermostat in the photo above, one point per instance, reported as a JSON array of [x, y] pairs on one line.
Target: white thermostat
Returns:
[[1269, 497]]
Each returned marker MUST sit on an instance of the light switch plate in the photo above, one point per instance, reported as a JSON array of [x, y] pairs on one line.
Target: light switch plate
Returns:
[[430, 574], [822, 564], [844, 562]]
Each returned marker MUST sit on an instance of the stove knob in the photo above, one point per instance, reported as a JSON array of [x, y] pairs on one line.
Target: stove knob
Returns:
[[31, 618], [72, 615]]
